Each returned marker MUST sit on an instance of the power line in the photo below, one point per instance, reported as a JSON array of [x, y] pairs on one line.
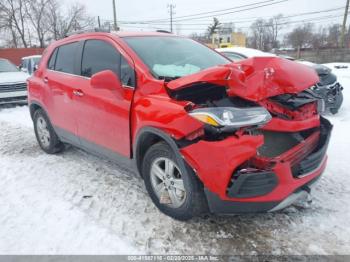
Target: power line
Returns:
[[245, 21], [327, 17], [232, 12], [210, 12], [221, 10]]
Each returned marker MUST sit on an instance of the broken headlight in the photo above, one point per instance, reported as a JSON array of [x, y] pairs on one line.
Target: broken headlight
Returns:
[[232, 116]]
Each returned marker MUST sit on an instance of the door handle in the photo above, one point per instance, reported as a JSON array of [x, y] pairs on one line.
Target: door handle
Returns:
[[78, 93], [46, 80]]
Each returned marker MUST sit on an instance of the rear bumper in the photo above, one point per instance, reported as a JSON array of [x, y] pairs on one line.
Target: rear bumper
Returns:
[[273, 184]]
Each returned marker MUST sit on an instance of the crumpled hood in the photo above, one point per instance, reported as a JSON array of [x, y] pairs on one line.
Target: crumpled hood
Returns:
[[13, 77], [255, 78]]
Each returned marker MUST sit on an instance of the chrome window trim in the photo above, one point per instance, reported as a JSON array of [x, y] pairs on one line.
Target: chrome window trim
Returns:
[[84, 77]]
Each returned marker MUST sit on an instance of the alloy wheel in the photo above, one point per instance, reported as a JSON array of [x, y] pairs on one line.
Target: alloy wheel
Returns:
[[43, 131], [167, 182]]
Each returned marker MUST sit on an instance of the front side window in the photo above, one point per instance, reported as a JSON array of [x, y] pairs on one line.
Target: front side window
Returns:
[[98, 56], [233, 56], [65, 58], [173, 57]]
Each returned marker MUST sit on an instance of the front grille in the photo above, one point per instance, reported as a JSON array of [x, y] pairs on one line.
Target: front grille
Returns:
[[312, 161], [276, 143], [13, 87]]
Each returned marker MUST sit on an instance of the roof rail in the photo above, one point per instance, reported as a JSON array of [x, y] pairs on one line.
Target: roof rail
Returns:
[[163, 31], [89, 31]]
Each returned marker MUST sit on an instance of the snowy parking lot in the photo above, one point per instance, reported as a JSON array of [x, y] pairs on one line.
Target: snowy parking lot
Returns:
[[76, 203]]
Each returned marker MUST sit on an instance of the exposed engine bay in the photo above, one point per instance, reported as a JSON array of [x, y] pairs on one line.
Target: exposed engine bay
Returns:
[[285, 106]]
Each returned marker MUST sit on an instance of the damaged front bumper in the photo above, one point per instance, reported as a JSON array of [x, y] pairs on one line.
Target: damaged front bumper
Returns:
[[239, 176]]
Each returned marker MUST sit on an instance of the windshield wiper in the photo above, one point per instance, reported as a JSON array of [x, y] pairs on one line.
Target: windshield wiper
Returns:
[[168, 78]]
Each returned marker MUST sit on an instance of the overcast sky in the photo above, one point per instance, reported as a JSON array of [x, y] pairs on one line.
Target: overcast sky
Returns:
[[143, 10]]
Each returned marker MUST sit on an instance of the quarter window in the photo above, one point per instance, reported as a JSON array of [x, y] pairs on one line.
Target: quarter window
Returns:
[[66, 57], [51, 64], [127, 73]]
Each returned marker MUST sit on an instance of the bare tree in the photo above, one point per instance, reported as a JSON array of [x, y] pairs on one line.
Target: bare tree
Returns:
[[64, 23], [13, 13], [319, 38], [213, 28], [333, 38], [37, 12], [275, 25], [261, 36], [301, 36]]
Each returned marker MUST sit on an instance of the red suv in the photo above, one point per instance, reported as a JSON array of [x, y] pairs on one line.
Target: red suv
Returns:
[[205, 134]]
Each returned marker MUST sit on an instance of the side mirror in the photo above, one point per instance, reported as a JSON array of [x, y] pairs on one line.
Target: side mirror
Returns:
[[35, 68], [107, 80]]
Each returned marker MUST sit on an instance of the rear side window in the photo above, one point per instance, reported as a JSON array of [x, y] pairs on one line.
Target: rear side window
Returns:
[[98, 56], [233, 56], [66, 57], [51, 64]]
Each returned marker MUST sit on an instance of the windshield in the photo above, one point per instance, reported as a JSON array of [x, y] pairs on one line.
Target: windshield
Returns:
[[6, 66], [173, 57], [36, 60]]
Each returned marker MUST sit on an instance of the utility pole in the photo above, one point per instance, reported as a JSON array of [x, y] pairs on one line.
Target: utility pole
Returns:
[[99, 22], [115, 26], [342, 37], [171, 12]]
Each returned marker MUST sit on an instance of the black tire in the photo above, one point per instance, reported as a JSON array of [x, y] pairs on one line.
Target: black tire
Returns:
[[54, 145], [195, 203]]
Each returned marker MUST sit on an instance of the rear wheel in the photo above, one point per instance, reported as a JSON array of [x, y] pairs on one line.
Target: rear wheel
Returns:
[[176, 191], [45, 134]]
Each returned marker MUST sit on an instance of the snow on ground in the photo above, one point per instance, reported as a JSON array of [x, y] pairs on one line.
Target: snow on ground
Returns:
[[76, 203]]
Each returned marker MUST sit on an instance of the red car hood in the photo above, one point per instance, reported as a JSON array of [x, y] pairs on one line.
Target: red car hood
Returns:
[[254, 78]]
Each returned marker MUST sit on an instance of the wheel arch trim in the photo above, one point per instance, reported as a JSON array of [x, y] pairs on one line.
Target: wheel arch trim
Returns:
[[32, 104], [152, 131]]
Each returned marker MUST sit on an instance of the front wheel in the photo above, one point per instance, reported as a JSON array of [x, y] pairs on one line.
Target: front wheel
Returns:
[[176, 191]]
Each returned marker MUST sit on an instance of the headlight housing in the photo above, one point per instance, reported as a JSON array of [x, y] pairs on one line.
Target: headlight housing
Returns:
[[232, 116]]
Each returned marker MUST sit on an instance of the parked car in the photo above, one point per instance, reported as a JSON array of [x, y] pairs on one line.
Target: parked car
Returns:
[[205, 134], [13, 86], [327, 88], [29, 63]]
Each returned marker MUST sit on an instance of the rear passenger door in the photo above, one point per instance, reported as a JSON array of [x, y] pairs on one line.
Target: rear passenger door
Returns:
[[60, 78], [103, 117]]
